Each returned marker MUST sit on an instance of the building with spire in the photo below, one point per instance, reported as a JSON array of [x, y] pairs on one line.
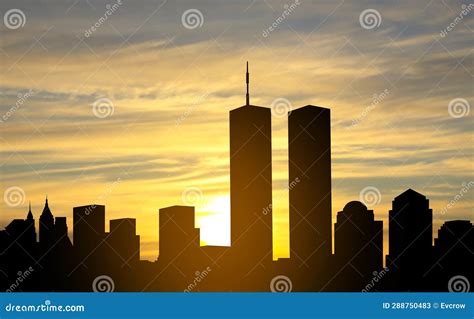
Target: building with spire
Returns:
[[46, 227], [22, 232], [30, 227], [251, 182]]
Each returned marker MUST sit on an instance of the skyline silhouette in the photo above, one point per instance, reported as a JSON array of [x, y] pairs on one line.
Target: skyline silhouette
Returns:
[[101, 124], [57, 265], [110, 261]]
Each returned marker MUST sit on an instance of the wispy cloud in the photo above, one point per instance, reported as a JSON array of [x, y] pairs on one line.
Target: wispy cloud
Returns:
[[171, 88]]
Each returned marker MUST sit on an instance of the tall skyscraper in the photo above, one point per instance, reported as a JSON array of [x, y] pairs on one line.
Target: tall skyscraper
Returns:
[[309, 148], [251, 182], [46, 227], [410, 238], [89, 229], [358, 245]]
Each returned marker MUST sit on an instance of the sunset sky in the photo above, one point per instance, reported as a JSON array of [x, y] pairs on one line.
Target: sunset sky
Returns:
[[134, 114]]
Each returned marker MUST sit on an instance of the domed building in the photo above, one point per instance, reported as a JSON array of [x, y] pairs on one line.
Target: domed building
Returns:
[[358, 245], [410, 240]]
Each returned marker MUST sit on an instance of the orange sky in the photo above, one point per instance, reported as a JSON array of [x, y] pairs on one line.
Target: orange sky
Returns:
[[171, 88]]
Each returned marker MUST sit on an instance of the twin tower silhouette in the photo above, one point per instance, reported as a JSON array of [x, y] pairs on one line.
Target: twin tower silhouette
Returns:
[[101, 261]]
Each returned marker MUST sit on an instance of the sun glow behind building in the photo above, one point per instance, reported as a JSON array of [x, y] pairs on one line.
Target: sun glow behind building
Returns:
[[171, 89]]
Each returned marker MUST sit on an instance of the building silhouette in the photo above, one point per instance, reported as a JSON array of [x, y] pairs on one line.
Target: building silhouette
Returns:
[[455, 243], [18, 252], [46, 227], [453, 253], [177, 231], [413, 264], [309, 149], [251, 186], [61, 234], [124, 242], [30, 231], [89, 230], [179, 247], [22, 236], [410, 239], [309, 155], [358, 247]]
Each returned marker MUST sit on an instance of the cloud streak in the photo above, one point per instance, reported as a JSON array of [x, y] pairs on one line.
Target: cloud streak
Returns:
[[172, 87]]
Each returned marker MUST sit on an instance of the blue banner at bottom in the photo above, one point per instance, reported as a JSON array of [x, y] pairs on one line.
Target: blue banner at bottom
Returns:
[[236, 305]]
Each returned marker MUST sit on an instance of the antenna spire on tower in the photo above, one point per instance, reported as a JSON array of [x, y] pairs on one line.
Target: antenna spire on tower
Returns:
[[247, 96], [29, 216]]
